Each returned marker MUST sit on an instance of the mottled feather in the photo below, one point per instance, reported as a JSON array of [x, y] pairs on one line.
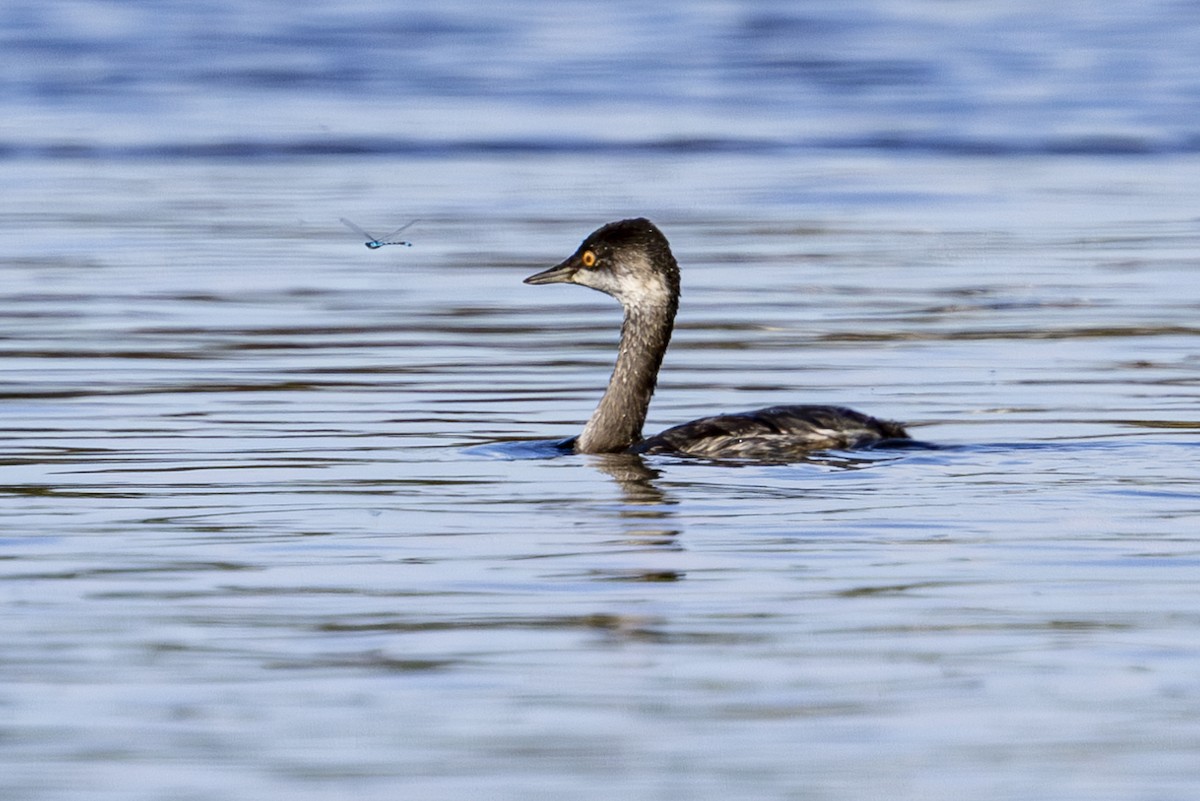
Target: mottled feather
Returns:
[[772, 433]]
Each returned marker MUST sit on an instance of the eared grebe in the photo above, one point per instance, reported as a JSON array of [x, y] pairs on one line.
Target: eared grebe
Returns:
[[632, 261]]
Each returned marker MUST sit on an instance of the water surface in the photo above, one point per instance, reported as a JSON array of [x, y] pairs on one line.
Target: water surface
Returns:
[[274, 515]]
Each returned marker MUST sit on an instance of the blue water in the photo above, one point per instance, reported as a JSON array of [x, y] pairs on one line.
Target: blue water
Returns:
[[278, 516], [269, 79]]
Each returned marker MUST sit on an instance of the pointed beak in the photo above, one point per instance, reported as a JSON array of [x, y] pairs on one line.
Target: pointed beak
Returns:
[[563, 273]]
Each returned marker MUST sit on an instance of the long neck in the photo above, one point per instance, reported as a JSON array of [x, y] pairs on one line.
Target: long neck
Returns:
[[617, 422]]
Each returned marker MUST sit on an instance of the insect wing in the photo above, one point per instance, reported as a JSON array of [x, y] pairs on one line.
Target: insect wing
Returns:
[[360, 231], [401, 229]]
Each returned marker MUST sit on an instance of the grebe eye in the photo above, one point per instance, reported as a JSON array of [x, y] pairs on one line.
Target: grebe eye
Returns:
[[588, 258]]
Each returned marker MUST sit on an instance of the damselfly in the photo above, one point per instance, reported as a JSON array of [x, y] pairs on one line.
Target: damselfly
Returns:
[[372, 242]]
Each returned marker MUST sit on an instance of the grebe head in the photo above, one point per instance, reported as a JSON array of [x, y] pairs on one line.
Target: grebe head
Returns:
[[630, 260]]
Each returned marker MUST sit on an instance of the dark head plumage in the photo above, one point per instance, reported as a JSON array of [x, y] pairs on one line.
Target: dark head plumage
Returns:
[[628, 259]]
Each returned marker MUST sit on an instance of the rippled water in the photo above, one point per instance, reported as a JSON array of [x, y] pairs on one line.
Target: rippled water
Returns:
[[277, 517]]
